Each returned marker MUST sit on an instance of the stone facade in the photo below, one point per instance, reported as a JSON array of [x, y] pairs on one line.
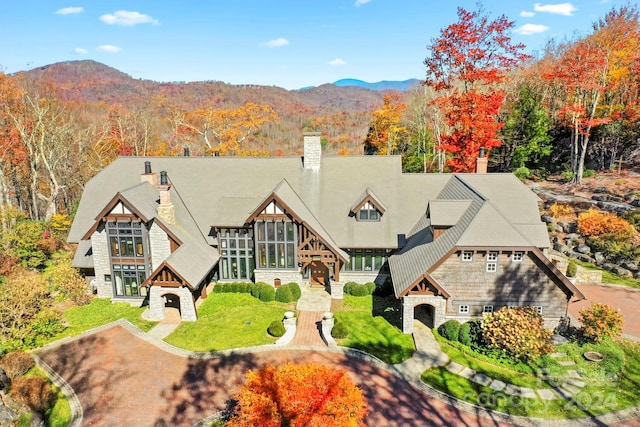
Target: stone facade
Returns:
[[337, 290], [101, 263], [157, 303], [159, 245], [269, 276], [410, 302], [514, 283]]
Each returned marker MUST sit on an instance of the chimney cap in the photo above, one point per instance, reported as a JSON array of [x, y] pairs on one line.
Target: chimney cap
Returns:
[[163, 178], [482, 151], [147, 167]]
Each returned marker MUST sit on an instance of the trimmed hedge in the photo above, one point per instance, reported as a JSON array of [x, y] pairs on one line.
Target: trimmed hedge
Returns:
[[266, 292], [276, 328], [234, 287], [450, 329], [296, 292], [283, 294], [339, 330], [359, 290], [464, 334]]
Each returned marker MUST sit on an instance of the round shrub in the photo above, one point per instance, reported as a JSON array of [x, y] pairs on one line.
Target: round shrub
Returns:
[[522, 173], [267, 293], [572, 269], [464, 334], [359, 291], [276, 329], [475, 332], [255, 291], [371, 287], [217, 288], [339, 330], [296, 293], [283, 294], [348, 287], [450, 329]]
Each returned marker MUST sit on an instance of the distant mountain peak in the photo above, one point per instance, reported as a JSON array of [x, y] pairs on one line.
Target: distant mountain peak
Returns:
[[401, 86]]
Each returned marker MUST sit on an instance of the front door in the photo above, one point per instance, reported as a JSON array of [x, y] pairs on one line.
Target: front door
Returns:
[[319, 273]]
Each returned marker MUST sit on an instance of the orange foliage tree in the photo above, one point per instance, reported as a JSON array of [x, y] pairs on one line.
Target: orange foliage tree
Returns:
[[465, 67], [223, 131], [299, 395], [385, 128], [595, 75]]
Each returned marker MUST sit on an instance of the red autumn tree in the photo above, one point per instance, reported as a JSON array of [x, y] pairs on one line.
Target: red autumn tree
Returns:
[[465, 67], [299, 395]]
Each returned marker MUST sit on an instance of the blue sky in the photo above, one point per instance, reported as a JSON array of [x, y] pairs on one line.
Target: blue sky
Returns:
[[291, 44]]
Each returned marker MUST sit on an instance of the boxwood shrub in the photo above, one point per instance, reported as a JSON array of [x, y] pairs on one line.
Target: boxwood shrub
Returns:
[[339, 330], [283, 294], [450, 329], [276, 329]]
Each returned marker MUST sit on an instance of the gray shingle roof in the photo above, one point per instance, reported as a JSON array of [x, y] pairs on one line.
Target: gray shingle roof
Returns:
[[491, 219]]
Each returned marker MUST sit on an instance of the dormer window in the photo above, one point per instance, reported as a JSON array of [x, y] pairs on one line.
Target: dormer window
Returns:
[[368, 212]]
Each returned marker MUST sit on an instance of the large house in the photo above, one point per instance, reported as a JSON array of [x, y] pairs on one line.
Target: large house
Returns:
[[452, 245]]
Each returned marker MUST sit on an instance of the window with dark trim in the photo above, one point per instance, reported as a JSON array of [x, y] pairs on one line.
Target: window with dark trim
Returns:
[[276, 244], [368, 212], [237, 260], [366, 259], [128, 249]]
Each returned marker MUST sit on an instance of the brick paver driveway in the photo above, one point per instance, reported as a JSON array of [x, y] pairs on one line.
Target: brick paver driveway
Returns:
[[123, 380], [620, 297]]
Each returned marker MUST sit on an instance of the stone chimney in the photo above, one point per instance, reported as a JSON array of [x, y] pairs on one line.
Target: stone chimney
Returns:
[[482, 162], [166, 212], [148, 176], [186, 152], [312, 151]]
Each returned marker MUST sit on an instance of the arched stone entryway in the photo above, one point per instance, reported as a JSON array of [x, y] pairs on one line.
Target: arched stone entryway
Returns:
[[409, 311], [172, 312], [165, 301], [424, 313]]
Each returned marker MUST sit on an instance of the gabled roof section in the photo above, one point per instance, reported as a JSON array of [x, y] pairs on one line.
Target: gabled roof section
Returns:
[[289, 200], [485, 222], [83, 256], [446, 213], [192, 262], [367, 196], [140, 200]]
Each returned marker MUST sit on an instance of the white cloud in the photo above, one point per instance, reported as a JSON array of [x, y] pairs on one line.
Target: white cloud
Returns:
[[527, 14], [361, 2], [81, 51], [109, 48], [336, 62], [127, 18], [565, 9], [530, 29], [69, 10], [277, 42]]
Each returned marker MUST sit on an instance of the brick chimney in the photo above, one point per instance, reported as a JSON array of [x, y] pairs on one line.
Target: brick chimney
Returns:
[[482, 162], [312, 151], [166, 212], [148, 176]]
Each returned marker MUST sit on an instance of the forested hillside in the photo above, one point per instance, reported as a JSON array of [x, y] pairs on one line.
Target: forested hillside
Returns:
[[572, 110]]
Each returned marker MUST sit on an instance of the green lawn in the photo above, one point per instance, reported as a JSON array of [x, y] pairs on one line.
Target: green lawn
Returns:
[[229, 320], [100, 312], [609, 386], [374, 334]]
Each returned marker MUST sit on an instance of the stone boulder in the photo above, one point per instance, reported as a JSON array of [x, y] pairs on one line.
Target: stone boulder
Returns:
[[583, 249]]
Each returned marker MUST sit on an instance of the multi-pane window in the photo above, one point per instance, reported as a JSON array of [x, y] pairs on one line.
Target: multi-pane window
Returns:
[[517, 256], [236, 251], [463, 309], [276, 244], [492, 262], [487, 309], [467, 256], [128, 249], [368, 212], [366, 259]]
